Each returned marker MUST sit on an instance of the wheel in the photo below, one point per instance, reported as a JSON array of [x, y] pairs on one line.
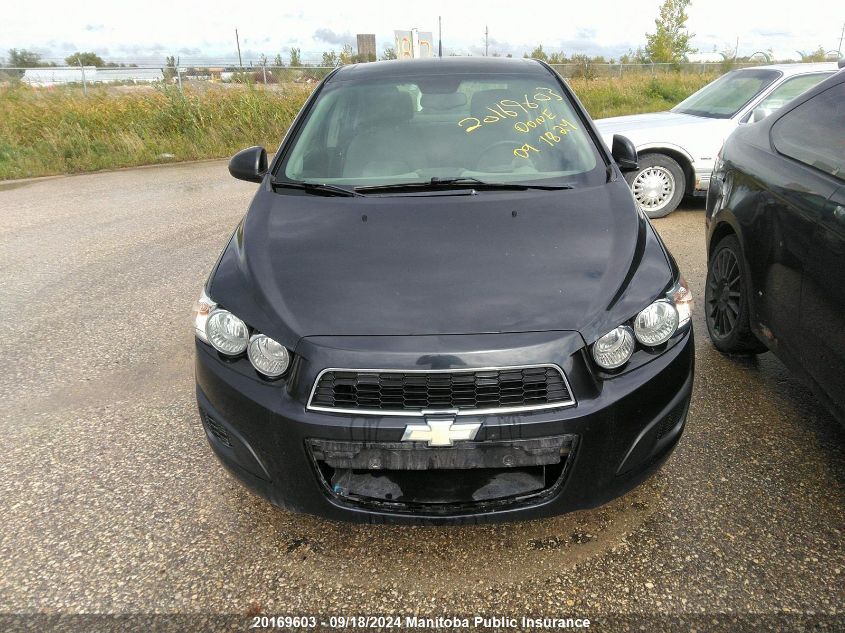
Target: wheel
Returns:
[[658, 184], [726, 301]]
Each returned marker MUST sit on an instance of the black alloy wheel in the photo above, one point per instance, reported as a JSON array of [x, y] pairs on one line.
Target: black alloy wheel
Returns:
[[726, 301]]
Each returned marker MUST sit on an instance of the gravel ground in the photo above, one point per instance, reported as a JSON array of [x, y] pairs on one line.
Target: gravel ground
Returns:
[[113, 503]]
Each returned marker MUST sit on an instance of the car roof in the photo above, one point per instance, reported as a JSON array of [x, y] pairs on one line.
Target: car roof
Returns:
[[437, 66], [797, 69]]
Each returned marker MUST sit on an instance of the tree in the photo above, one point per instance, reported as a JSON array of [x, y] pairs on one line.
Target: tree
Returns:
[[329, 59], [22, 58], [295, 59], [278, 61], [671, 40], [818, 55], [634, 57], [169, 67], [346, 55], [558, 58], [389, 53], [539, 53], [84, 59]]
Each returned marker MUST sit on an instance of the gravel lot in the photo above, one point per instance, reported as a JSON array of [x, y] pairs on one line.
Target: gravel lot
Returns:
[[113, 503]]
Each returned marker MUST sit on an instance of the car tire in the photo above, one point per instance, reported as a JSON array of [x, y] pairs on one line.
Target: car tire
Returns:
[[658, 184], [727, 310]]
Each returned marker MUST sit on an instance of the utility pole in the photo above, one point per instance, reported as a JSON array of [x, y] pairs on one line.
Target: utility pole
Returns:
[[238, 42], [841, 36], [486, 39], [440, 36], [179, 75], [84, 83]]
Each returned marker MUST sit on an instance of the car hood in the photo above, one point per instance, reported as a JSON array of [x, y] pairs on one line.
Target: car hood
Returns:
[[306, 265], [654, 126]]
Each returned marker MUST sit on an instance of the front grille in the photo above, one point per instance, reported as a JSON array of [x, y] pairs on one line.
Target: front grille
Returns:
[[510, 388]]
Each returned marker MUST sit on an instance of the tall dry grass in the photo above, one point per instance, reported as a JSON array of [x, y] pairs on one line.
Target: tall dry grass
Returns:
[[63, 131], [60, 130], [611, 96]]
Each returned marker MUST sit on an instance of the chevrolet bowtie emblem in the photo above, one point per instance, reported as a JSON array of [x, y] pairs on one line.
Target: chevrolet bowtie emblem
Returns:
[[440, 429]]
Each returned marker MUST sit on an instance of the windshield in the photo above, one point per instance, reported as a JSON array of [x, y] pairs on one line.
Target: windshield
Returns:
[[492, 128], [728, 94]]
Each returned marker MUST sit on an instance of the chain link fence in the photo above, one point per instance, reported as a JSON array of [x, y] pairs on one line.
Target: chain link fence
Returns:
[[85, 76]]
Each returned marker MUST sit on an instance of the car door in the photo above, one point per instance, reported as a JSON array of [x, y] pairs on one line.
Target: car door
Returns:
[[824, 300], [812, 137]]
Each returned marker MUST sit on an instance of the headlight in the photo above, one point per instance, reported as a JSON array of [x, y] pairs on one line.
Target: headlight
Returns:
[[226, 332], [202, 308], [268, 356], [681, 298], [656, 324], [614, 348]]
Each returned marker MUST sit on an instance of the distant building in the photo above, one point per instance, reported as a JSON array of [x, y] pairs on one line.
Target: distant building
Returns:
[[366, 45], [136, 75], [53, 75], [704, 58]]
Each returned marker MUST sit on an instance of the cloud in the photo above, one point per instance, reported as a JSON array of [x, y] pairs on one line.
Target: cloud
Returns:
[[330, 37], [601, 28]]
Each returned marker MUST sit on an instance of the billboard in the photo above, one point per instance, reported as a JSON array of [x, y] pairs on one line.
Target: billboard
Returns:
[[413, 44]]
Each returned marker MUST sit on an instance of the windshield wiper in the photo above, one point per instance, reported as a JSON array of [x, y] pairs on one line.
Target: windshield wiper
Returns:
[[315, 186], [475, 183]]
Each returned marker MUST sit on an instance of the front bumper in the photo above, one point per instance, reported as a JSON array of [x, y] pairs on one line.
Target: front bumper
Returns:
[[617, 434], [702, 180]]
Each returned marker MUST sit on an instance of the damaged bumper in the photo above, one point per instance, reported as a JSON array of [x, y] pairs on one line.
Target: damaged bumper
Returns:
[[519, 465]]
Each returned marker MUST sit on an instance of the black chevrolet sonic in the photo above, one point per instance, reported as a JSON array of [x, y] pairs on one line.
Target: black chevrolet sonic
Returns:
[[443, 305]]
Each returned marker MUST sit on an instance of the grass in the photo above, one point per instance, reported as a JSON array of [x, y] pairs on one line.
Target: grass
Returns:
[[605, 96], [60, 130]]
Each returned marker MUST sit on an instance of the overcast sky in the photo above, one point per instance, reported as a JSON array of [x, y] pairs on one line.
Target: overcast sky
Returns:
[[152, 29]]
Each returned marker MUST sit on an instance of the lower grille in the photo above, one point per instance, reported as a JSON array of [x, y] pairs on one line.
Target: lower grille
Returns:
[[470, 390], [670, 421], [464, 478], [216, 429]]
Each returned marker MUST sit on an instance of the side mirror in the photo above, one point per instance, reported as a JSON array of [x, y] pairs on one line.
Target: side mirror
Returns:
[[624, 153], [249, 164], [758, 114]]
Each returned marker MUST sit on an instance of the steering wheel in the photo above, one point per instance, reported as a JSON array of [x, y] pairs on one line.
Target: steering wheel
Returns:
[[489, 154]]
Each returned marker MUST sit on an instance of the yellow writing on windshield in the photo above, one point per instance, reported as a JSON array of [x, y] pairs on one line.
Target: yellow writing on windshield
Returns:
[[511, 109], [550, 138]]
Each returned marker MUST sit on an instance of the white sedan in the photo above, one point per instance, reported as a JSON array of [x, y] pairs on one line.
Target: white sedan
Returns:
[[677, 149]]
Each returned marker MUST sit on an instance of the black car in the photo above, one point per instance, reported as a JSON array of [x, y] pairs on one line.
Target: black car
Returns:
[[776, 240], [443, 305]]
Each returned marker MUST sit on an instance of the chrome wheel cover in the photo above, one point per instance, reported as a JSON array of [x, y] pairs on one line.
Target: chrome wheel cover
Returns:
[[653, 188]]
